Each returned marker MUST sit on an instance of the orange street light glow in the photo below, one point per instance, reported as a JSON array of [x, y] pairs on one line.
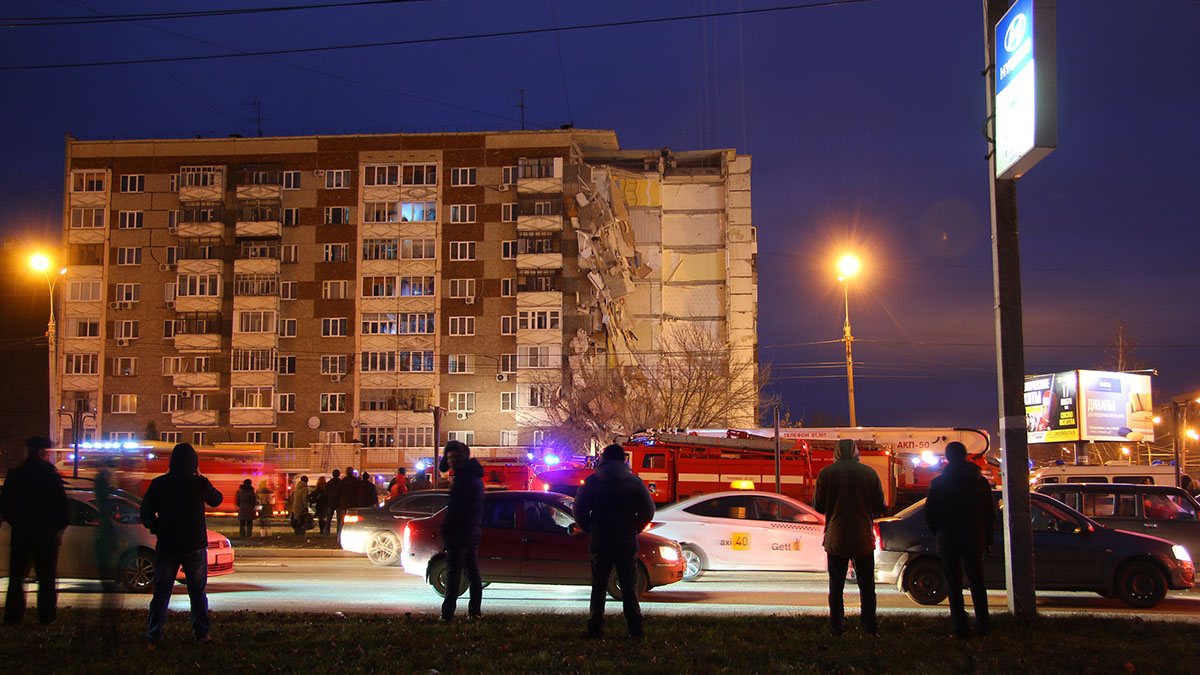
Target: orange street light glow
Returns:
[[848, 266]]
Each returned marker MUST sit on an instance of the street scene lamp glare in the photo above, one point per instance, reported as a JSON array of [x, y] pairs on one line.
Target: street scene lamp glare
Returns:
[[41, 263], [1191, 433], [848, 266]]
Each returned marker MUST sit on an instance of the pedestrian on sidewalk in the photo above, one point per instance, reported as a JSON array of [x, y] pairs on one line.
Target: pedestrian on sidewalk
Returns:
[[173, 509], [298, 506], [398, 484], [462, 528], [851, 497], [612, 507], [34, 504], [266, 502], [368, 494], [961, 513], [320, 501], [347, 497], [246, 501]]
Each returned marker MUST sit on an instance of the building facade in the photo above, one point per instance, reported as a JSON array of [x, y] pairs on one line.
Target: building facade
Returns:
[[335, 293]]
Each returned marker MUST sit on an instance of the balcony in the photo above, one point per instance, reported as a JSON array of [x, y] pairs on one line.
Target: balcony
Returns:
[[202, 219], [196, 380], [201, 183], [199, 342], [252, 417], [197, 303], [258, 218], [539, 261], [259, 181], [194, 418]]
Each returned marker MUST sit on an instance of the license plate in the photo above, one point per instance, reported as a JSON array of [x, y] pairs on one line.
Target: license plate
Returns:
[[224, 559]]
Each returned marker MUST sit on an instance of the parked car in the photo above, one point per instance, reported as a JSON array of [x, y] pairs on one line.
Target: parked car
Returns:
[[1159, 510], [531, 538], [1071, 552], [135, 544], [376, 530], [744, 531]]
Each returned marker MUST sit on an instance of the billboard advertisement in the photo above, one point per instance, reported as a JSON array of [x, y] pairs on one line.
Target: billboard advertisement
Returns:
[[1025, 102], [1088, 405]]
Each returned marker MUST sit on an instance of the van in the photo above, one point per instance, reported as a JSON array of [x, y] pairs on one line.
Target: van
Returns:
[[1166, 512], [1111, 472]]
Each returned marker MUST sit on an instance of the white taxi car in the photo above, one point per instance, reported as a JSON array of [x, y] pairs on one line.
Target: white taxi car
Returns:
[[744, 530]]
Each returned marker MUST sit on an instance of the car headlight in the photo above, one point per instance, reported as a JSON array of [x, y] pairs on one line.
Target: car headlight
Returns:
[[668, 553], [1180, 553]]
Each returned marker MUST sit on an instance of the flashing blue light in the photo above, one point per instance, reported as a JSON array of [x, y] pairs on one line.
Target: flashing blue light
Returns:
[[71, 457], [149, 455], [85, 445], [916, 461], [529, 456], [130, 446], [551, 460], [421, 466]]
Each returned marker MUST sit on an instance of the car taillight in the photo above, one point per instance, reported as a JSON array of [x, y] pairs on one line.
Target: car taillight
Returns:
[[545, 487], [348, 518], [406, 536], [878, 539], [651, 525]]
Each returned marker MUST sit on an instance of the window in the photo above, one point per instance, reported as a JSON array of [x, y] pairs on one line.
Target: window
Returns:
[[200, 176], [538, 356], [255, 321], [508, 363], [287, 328], [467, 437], [336, 179], [508, 213], [458, 364], [415, 400], [416, 286], [335, 290], [533, 396], [381, 174], [331, 436], [542, 319], [133, 183], [130, 220], [379, 287], [86, 254], [87, 219], [172, 365], [380, 249], [378, 362], [288, 253], [417, 249], [381, 212], [420, 174], [508, 403], [170, 403], [336, 252], [125, 330], [462, 213], [81, 364], [534, 281], [124, 366], [1106, 504], [252, 397], [285, 365], [291, 217], [168, 436], [737, 508], [539, 243], [333, 403], [87, 181], [508, 287], [291, 180], [462, 288], [124, 403], [378, 437], [414, 437], [415, 323], [283, 439], [256, 284], [508, 250], [462, 176], [198, 285], [287, 290], [378, 324], [286, 403], [508, 325], [172, 255], [200, 437], [254, 437], [337, 215], [462, 325], [537, 167], [1047, 518], [463, 401], [462, 250], [82, 328], [508, 438], [333, 327], [333, 364], [509, 175], [418, 212], [202, 364], [169, 328], [128, 292], [84, 291], [414, 362], [253, 360]]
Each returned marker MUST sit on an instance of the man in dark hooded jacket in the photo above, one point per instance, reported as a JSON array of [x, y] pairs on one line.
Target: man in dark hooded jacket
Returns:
[[173, 509], [613, 506], [462, 528], [34, 504], [851, 497], [962, 515]]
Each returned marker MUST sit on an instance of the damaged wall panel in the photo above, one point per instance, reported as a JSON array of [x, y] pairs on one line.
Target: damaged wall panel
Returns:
[[692, 229], [694, 301], [693, 196]]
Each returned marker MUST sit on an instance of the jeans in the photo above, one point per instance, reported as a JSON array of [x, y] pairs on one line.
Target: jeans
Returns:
[[956, 563], [602, 567], [40, 551], [340, 514], [458, 558], [864, 568], [195, 570], [246, 528], [324, 520]]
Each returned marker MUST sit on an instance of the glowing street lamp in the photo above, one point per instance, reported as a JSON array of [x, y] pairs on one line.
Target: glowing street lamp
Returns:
[[41, 263], [848, 266]]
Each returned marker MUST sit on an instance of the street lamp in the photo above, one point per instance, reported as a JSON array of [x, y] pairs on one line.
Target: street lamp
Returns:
[[847, 267], [41, 263]]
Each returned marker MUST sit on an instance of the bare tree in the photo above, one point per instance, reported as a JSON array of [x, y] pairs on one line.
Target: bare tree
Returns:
[[1120, 355]]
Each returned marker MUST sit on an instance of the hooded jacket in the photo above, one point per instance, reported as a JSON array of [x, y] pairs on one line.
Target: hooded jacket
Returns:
[[960, 510], [173, 507], [33, 501], [246, 501], [461, 525], [613, 506], [851, 497]]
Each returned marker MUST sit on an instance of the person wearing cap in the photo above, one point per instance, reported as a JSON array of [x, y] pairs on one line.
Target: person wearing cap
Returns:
[[34, 504], [462, 528], [612, 507], [850, 495]]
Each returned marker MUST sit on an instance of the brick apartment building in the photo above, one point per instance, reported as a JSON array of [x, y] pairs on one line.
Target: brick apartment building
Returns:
[[327, 292]]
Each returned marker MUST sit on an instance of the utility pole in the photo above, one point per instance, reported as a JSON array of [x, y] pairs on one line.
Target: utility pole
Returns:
[[1010, 355], [521, 105], [437, 411]]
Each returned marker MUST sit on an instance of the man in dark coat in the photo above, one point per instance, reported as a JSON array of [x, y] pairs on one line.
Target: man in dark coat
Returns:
[[368, 494], [961, 513], [173, 509], [612, 507], [347, 497], [851, 497], [246, 503], [34, 504], [461, 528], [334, 490]]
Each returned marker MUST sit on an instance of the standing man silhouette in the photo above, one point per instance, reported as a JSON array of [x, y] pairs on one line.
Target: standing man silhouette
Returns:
[[34, 504]]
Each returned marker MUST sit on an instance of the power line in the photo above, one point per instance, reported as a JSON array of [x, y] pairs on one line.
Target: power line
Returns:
[[28, 22], [434, 40]]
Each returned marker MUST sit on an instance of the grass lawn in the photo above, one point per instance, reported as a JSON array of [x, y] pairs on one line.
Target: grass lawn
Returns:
[[554, 644]]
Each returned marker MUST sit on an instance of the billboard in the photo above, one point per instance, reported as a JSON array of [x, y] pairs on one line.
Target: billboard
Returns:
[[1026, 105], [1088, 405]]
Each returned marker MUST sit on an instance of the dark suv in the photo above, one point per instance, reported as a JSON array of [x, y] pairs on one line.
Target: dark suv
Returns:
[[1159, 510]]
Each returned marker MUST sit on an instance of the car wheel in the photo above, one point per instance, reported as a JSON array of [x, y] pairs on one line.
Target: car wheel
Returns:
[[925, 582], [694, 562], [1140, 584], [136, 572], [438, 573], [383, 549], [641, 582]]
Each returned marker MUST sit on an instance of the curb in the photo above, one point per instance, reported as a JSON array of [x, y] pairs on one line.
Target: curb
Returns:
[[247, 553]]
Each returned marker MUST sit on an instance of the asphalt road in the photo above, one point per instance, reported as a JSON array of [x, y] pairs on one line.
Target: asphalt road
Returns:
[[354, 585]]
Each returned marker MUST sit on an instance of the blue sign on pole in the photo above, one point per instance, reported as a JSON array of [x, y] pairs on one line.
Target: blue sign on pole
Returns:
[[1026, 124]]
